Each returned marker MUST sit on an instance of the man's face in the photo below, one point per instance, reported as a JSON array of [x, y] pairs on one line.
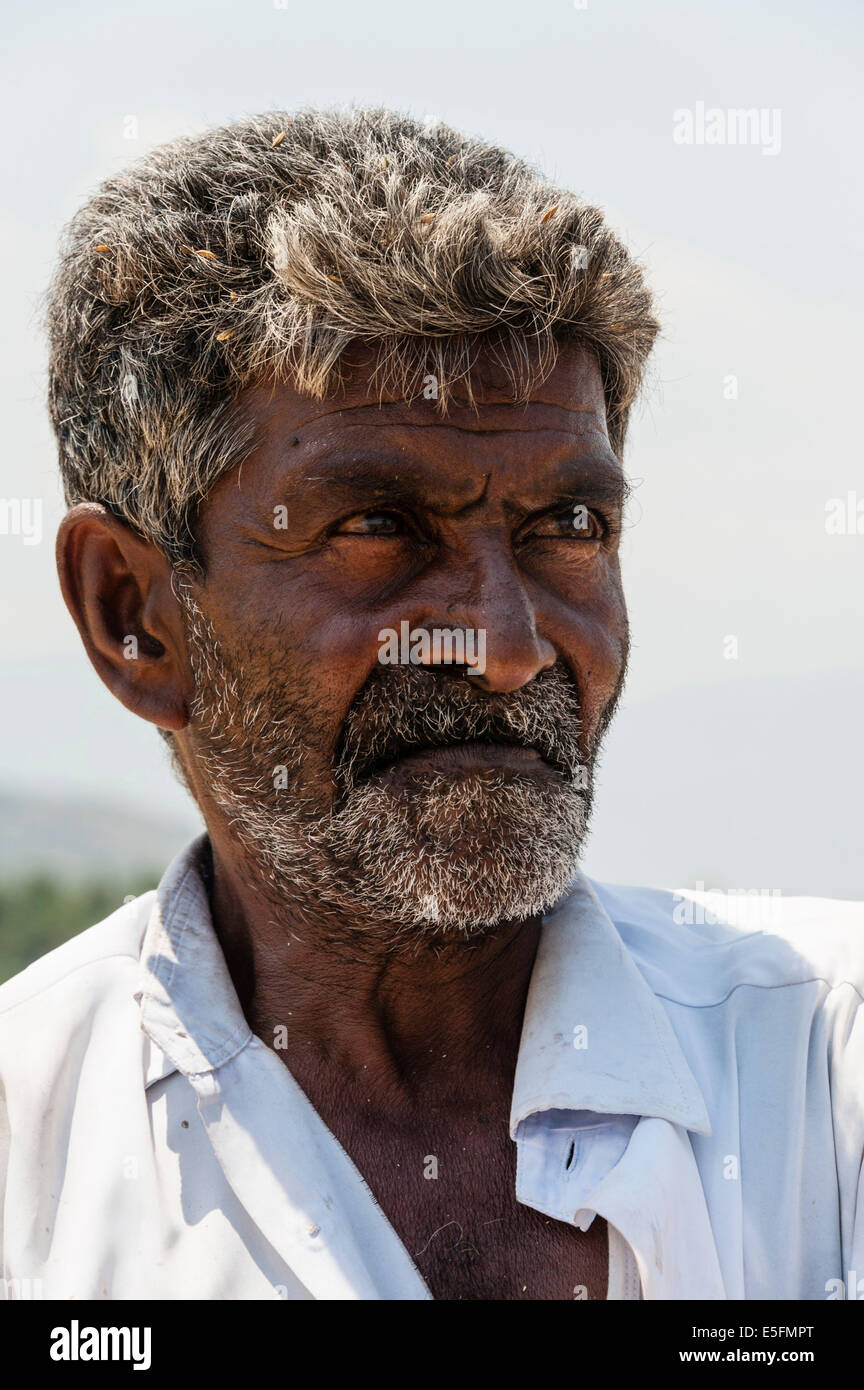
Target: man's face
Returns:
[[420, 795]]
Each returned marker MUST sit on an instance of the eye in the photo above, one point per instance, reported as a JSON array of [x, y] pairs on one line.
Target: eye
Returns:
[[574, 523], [372, 523]]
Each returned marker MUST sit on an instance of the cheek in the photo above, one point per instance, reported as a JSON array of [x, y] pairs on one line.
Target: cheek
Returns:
[[594, 639], [337, 654], [293, 649]]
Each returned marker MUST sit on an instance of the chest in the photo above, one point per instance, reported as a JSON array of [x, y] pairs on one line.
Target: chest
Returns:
[[450, 1194]]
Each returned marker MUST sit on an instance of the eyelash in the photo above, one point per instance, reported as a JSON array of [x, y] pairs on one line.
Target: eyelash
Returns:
[[357, 516], [567, 514]]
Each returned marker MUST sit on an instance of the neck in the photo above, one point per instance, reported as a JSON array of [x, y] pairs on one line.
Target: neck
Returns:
[[347, 1013]]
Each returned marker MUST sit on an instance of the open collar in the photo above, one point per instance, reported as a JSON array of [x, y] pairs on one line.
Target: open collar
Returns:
[[585, 989], [595, 1036]]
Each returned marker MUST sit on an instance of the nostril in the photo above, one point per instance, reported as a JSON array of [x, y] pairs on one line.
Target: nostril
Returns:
[[570, 1152]]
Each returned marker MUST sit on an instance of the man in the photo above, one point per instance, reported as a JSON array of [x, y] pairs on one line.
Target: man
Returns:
[[341, 403]]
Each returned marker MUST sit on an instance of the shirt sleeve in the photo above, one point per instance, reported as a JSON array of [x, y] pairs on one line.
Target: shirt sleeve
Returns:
[[847, 1101], [4, 1168]]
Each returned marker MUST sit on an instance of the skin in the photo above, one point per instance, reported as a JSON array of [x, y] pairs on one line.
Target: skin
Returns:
[[393, 1050]]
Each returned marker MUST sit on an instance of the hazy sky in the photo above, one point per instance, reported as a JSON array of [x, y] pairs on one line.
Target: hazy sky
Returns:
[[753, 249]]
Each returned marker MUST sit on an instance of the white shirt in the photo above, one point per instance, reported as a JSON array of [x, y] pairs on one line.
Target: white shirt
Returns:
[[698, 1083]]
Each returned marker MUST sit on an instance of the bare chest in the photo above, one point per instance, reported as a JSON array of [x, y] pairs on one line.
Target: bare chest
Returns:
[[450, 1196]]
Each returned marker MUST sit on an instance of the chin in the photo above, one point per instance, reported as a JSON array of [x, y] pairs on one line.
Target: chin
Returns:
[[463, 857], [459, 898]]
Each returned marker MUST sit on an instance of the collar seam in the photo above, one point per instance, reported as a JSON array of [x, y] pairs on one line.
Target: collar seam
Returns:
[[230, 1047]]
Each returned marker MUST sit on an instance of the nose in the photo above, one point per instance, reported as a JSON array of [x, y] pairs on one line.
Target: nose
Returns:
[[492, 603]]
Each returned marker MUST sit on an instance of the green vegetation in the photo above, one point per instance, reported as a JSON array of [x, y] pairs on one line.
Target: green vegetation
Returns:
[[41, 911]]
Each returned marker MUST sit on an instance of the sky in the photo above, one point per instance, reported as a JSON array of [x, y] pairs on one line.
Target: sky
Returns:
[[746, 442]]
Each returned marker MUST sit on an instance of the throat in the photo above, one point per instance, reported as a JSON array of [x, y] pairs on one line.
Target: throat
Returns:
[[440, 1025]]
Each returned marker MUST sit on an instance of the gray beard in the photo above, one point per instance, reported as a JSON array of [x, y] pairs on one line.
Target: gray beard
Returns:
[[434, 858]]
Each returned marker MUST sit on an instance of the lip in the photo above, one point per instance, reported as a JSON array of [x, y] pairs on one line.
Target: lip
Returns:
[[473, 756]]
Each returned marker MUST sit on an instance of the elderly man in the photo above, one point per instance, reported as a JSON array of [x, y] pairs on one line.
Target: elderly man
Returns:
[[341, 401]]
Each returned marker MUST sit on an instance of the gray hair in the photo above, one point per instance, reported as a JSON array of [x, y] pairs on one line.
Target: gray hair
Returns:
[[260, 251]]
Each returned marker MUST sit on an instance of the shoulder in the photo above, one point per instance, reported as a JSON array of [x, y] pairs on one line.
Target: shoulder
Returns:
[[82, 975], [698, 946]]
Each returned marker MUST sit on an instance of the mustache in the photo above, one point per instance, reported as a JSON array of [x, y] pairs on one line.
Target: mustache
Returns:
[[406, 708]]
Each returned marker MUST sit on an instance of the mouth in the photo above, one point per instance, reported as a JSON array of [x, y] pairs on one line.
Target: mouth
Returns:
[[474, 755]]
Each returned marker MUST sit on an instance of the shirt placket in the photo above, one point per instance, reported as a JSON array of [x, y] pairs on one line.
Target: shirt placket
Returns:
[[298, 1185]]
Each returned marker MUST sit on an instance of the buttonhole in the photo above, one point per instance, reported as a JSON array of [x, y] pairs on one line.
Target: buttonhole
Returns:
[[570, 1153]]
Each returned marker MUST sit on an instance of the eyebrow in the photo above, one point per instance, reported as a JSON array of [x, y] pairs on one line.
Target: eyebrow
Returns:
[[383, 476], [613, 491], [378, 477]]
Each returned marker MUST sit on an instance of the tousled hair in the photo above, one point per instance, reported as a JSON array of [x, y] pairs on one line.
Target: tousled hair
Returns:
[[260, 251]]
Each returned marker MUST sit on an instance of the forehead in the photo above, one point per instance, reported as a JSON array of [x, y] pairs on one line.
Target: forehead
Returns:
[[310, 449], [569, 400]]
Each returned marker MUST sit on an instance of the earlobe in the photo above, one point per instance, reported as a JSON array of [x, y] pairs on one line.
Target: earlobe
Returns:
[[117, 588]]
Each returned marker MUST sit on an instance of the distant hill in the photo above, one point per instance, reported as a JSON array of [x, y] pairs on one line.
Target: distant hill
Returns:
[[78, 839]]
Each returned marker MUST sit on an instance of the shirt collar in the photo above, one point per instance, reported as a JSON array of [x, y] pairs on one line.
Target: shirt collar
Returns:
[[189, 1006], [595, 1036]]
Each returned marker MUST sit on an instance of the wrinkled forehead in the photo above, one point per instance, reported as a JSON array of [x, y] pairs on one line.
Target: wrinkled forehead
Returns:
[[569, 397]]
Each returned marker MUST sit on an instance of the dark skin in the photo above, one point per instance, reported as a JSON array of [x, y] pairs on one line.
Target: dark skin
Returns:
[[411, 1055]]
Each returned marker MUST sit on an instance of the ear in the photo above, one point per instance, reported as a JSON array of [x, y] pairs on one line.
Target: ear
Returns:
[[118, 589]]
